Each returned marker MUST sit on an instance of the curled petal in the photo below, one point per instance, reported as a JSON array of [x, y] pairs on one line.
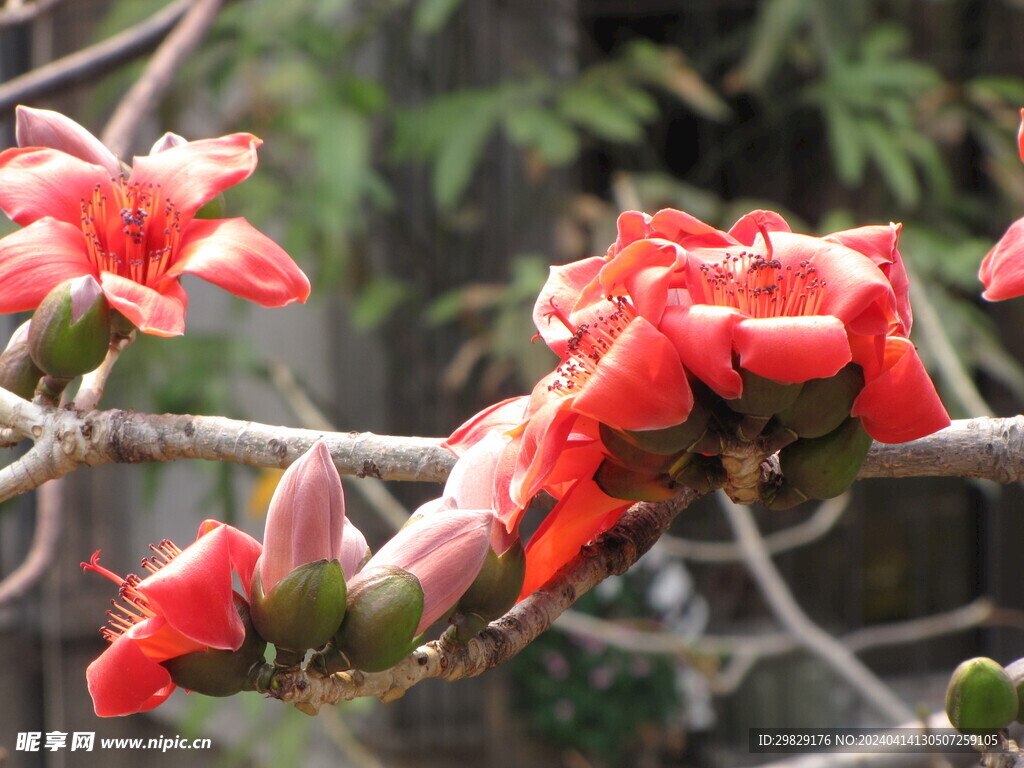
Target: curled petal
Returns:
[[1002, 270], [754, 223], [502, 417], [792, 349], [631, 226], [235, 256], [689, 231], [46, 128], [900, 403], [557, 299], [881, 245], [702, 335], [194, 591], [123, 680], [161, 313], [644, 271]]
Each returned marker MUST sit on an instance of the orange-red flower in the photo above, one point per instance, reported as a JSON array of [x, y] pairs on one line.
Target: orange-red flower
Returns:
[[137, 235], [1002, 270], [186, 604]]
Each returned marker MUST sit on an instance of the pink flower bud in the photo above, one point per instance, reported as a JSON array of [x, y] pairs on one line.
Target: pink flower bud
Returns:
[[306, 519], [445, 551], [167, 141]]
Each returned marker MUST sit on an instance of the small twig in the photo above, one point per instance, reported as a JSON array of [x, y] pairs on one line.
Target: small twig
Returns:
[[813, 528], [93, 61], [146, 92], [788, 611], [93, 384], [19, 14], [43, 551]]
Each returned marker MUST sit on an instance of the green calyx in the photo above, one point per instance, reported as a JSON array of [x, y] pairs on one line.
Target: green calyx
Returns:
[[303, 610], [981, 697], [823, 404], [672, 440], [631, 485], [385, 604], [496, 587], [763, 397], [70, 330], [823, 467], [216, 672], [18, 373]]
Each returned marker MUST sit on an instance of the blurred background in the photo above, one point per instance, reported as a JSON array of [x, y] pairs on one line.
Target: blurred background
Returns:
[[424, 162]]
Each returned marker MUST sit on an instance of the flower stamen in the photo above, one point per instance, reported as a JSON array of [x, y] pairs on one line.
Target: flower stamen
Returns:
[[588, 344], [761, 286]]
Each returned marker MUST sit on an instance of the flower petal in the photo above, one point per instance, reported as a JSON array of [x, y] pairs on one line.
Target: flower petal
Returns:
[[558, 297], [35, 183], [881, 245], [235, 256], [194, 591], [644, 271], [638, 384], [631, 226], [540, 447], [689, 231], [792, 349], [581, 515], [754, 223], [46, 128], [192, 174], [37, 258], [161, 313], [1002, 270], [123, 680], [502, 417], [702, 336], [900, 403]]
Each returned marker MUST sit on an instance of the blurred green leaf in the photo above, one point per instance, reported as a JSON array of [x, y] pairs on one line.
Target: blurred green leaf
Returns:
[[431, 15]]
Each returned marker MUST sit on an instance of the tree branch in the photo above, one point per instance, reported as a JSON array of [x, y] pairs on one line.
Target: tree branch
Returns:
[[12, 14], [93, 61], [49, 524]]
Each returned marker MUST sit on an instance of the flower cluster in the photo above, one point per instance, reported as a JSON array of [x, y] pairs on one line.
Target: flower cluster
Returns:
[[312, 584], [685, 341]]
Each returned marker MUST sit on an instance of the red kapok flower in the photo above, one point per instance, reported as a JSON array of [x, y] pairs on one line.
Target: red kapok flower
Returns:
[[1002, 270], [135, 235], [186, 604]]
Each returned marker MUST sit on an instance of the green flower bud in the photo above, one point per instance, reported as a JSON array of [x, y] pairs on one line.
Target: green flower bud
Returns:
[[495, 588], [981, 697], [216, 672], [384, 607], [823, 404], [622, 483], [672, 440], [763, 397], [823, 467], [18, 373], [70, 330], [302, 611]]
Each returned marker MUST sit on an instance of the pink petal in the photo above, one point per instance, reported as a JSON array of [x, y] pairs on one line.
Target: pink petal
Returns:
[[167, 141], [46, 128], [752, 224], [235, 256], [192, 174], [502, 417], [631, 226], [638, 384], [792, 349], [123, 680], [37, 258], [643, 271], [161, 313], [702, 335], [584, 513], [35, 183], [900, 403], [1002, 270], [194, 592], [1020, 136], [557, 299]]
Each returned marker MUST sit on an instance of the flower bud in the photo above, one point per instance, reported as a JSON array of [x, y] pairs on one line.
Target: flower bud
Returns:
[[823, 404], [302, 611], [493, 591], [215, 672], [762, 396], [385, 604], [70, 330], [980, 697], [18, 373], [622, 483], [671, 440], [445, 552]]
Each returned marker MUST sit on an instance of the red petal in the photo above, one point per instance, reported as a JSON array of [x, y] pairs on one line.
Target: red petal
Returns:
[[192, 174], [752, 224], [792, 349], [234, 255], [503, 417], [584, 513], [881, 245], [161, 313], [631, 226], [644, 271], [35, 183], [639, 382], [123, 680], [900, 403], [1002, 270], [689, 232], [540, 448], [558, 297], [194, 591], [35, 259], [702, 336], [1020, 136], [46, 128]]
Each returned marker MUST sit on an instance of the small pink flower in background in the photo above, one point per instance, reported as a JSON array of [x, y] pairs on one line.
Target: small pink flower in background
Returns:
[[137, 235], [1002, 270]]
